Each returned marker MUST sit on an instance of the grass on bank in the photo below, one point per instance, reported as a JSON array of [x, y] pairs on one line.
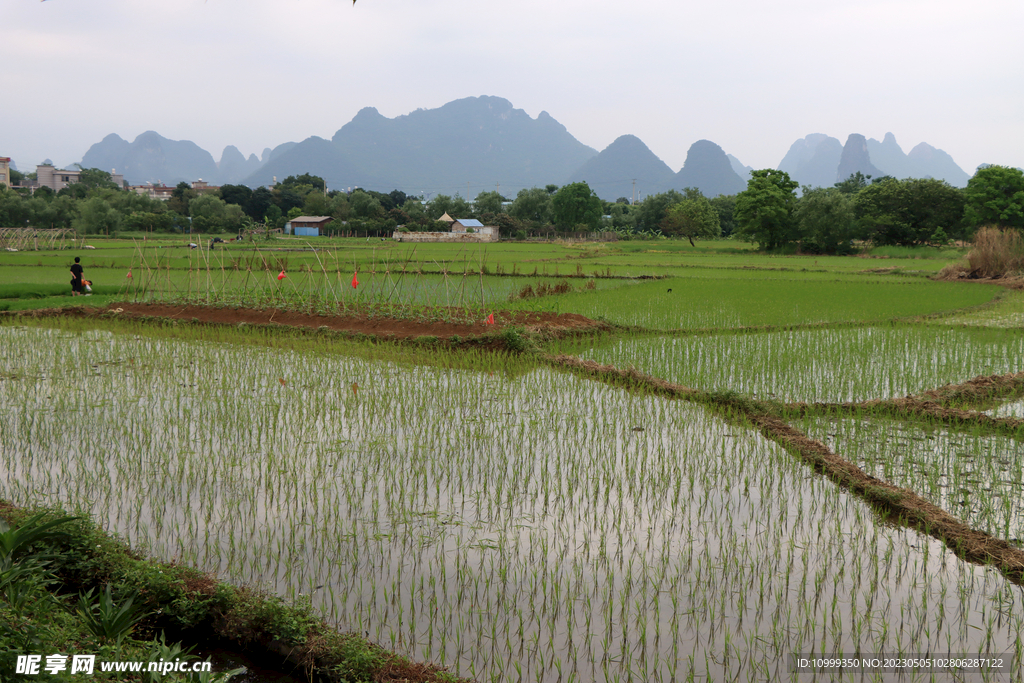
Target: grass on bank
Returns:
[[71, 588]]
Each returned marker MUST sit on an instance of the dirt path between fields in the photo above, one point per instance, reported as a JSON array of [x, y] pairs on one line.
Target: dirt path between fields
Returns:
[[440, 323], [941, 404]]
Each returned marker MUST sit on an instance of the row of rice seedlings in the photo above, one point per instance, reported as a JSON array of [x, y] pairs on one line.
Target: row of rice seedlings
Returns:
[[831, 365], [1011, 408], [539, 527], [330, 284], [1007, 312], [263, 279], [977, 477]]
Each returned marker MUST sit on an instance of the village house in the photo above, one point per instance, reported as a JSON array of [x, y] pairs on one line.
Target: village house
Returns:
[[57, 179], [165, 192], [463, 230], [307, 226], [161, 192]]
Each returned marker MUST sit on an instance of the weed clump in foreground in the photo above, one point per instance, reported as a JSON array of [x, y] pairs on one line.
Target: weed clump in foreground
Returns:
[[514, 340]]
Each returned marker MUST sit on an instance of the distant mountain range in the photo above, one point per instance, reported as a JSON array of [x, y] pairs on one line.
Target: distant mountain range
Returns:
[[819, 160], [483, 143]]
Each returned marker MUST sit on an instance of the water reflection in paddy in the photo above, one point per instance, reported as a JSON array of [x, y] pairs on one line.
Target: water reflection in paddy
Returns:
[[540, 526]]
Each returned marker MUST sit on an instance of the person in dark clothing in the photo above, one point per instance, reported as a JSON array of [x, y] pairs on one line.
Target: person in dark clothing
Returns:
[[76, 278]]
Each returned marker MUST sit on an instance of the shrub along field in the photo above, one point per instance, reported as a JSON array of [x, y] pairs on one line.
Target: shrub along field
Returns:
[[675, 499]]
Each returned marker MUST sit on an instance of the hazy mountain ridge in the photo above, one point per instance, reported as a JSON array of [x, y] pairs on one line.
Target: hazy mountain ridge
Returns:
[[819, 160], [742, 170], [709, 170], [487, 143], [612, 172], [856, 158], [813, 160], [152, 158]]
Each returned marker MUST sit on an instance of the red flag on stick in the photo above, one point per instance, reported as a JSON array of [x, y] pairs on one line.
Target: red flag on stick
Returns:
[[355, 280], [281, 275], [490, 319]]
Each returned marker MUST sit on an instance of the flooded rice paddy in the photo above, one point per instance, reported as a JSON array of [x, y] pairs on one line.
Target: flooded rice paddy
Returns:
[[531, 526], [828, 365]]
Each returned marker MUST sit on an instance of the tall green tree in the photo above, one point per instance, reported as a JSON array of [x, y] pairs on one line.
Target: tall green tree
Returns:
[[995, 196], [53, 211], [305, 181], [399, 197], [96, 216], [725, 205], [287, 198], [94, 178], [576, 204], [488, 202], [365, 206], [259, 204], [532, 205], [181, 195], [651, 211], [764, 211], [622, 215], [455, 207], [825, 220], [236, 194], [415, 210], [316, 204], [211, 214], [694, 217], [13, 209], [854, 184], [145, 221]]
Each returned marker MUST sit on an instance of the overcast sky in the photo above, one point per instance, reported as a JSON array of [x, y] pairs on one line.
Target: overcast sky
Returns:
[[750, 75]]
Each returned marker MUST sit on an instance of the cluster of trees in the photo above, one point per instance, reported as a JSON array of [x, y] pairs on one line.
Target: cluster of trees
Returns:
[[769, 212], [95, 205], [884, 211]]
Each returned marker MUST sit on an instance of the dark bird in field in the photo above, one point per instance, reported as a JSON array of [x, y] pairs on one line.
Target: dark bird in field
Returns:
[[669, 290]]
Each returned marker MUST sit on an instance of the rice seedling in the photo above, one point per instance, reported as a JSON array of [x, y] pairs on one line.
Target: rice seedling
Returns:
[[526, 524]]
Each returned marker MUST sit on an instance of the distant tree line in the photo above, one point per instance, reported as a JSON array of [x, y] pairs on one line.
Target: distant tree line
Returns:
[[882, 211]]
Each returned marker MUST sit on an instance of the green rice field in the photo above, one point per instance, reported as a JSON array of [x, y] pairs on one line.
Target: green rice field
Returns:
[[500, 514]]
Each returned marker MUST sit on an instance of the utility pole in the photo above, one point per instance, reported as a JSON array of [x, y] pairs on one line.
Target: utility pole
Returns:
[[634, 190]]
